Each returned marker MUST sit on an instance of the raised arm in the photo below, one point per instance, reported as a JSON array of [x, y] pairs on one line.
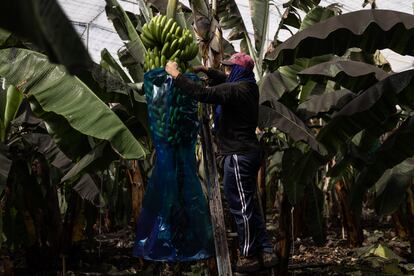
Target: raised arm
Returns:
[[219, 94]]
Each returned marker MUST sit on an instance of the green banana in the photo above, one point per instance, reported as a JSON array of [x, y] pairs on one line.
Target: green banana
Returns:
[[176, 54], [178, 31], [156, 51], [163, 60], [167, 28], [147, 43], [194, 51], [146, 31], [174, 46], [169, 37], [173, 28], [157, 32], [157, 61], [163, 21], [165, 48]]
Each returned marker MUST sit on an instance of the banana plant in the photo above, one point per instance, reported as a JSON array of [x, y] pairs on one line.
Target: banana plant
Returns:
[[341, 131], [64, 102]]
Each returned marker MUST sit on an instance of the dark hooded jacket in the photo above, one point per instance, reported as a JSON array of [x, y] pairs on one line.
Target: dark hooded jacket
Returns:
[[239, 102]]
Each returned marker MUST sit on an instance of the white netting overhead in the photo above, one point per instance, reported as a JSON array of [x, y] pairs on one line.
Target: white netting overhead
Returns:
[[89, 19]]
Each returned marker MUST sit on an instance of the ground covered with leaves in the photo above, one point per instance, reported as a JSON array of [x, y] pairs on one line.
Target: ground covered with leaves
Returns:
[[383, 253]]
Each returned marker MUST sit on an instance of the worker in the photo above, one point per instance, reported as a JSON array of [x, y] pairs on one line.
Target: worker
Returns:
[[237, 95]]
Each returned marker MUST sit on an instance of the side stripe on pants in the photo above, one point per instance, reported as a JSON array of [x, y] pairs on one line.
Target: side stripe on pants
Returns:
[[243, 203]]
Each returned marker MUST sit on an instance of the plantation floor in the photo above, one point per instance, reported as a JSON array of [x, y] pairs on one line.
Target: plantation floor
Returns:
[[110, 254]]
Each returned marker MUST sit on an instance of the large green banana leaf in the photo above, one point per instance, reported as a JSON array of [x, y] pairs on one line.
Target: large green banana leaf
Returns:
[[284, 80], [370, 109], [316, 105], [286, 121], [367, 29], [272, 86], [60, 94], [259, 11], [45, 24], [352, 75]]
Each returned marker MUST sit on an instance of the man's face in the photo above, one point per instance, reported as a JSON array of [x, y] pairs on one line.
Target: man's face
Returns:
[[227, 70]]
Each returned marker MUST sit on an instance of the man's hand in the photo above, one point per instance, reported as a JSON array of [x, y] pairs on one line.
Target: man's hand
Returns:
[[172, 68]]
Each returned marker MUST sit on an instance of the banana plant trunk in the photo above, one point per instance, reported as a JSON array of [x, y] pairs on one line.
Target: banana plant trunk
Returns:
[[285, 233], [404, 218], [261, 187], [350, 222], [137, 189]]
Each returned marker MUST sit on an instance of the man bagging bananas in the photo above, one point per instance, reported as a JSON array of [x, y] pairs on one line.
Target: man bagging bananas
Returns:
[[237, 95]]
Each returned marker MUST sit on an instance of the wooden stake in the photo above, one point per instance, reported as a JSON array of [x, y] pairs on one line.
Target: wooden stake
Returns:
[[214, 198]]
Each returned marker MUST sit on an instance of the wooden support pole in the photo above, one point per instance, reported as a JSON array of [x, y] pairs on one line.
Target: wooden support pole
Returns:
[[214, 198]]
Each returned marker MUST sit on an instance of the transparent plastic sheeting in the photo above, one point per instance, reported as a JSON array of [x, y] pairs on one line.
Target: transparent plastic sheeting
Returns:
[[174, 224]]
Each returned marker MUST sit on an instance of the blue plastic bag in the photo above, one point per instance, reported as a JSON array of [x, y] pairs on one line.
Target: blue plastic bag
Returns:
[[174, 224]]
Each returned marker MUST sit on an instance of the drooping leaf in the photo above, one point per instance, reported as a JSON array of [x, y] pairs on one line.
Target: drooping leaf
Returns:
[[367, 29], [395, 149], [274, 85], [64, 95], [292, 18], [392, 186], [121, 21], [133, 56], [44, 144], [317, 105], [86, 188], [110, 64], [96, 155], [230, 18], [286, 121], [352, 75], [301, 64], [370, 109], [45, 24]]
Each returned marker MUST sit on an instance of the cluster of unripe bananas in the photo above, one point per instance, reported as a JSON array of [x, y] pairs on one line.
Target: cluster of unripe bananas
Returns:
[[165, 40], [174, 118]]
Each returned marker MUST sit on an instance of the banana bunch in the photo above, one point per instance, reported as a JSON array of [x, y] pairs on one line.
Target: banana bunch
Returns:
[[173, 117], [165, 40]]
